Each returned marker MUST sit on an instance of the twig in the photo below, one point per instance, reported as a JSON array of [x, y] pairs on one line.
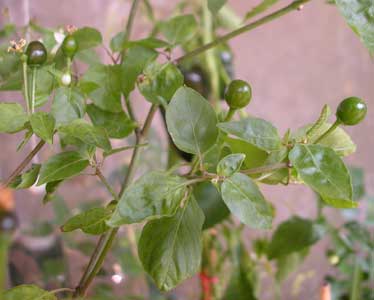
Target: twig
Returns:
[[293, 6], [23, 164]]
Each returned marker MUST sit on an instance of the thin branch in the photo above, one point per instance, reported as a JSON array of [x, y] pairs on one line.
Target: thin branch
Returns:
[[293, 6], [23, 164], [106, 183], [106, 240]]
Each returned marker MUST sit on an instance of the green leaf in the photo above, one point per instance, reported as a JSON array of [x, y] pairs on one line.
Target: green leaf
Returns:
[[324, 171], [50, 189], [191, 121], [68, 105], [43, 125], [45, 83], [27, 292], [170, 248], [160, 82], [153, 196], [289, 263], [294, 235], [358, 183], [86, 133], [338, 140], [149, 42], [61, 166], [179, 29], [245, 201], [257, 132], [91, 221], [135, 60], [117, 42], [260, 8], [12, 117], [87, 37], [243, 281], [210, 201], [102, 83], [215, 5], [359, 14], [254, 157], [230, 164], [117, 125], [26, 179]]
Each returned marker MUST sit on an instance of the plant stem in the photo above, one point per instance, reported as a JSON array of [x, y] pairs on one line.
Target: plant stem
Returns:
[[265, 169], [26, 87], [293, 6], [328, 131], [33, 88], [24, 163], [106, 183], [129, 24], [106, 240], [230, 114]]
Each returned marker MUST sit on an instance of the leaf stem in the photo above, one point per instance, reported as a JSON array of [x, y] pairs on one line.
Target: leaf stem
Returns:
[[293, 6], [106, 240], [24, 163], [33, 88], [230, 114], [328, 131], [26, 87], [106, 183], [129, 24]]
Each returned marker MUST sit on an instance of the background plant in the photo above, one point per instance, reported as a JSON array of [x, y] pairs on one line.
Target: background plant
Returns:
[[258, 152]]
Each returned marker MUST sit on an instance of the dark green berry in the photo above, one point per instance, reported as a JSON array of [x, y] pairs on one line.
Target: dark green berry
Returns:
[[69, 46], [238, 94], [195, 78], [351, 111], [36, 54]]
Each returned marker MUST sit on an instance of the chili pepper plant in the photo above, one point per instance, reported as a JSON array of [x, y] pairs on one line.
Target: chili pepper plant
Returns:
[[193, 210]]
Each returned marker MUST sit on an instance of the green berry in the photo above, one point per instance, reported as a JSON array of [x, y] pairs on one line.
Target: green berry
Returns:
[[351, 111], [238, 94], [69, 46], [36, 54]]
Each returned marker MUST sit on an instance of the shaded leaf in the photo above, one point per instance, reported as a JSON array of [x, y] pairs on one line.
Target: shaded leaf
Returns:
[[102, 83], [88, 134], [135, 60], [12, 117], [359, 14], [117, 125], [26, 179], [289, 263], [294, 235], [260, 8], [43, 125], [160, 82], [210, 201], [257, 132], [92, 221], [154, 195], [245, 201], [87, 37], [175, 254], [215, 5], [61, 166], [230, 164], [191, 121], [324, 171], [179, 29], [27, 292], [68, 105]]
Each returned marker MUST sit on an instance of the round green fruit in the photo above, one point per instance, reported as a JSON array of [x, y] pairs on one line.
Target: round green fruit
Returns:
[[238, 94], [36, 54], [351, 111], [69, 46]]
